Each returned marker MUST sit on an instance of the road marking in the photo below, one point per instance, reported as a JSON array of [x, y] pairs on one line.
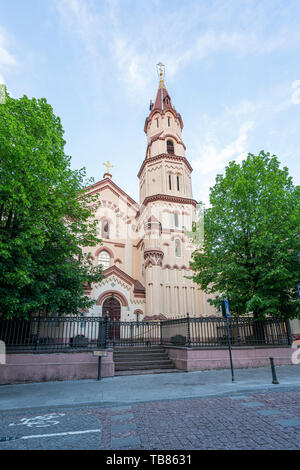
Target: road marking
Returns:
[[4, 439], [39, 421]]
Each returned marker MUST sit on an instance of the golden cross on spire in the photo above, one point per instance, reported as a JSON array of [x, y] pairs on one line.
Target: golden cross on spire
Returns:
[[108, 166], [161, 69]]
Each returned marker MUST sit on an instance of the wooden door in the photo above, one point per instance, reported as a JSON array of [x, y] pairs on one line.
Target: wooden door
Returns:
[[112, 309]]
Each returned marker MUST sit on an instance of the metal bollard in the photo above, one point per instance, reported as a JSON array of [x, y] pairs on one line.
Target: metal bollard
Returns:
[[274, 381]]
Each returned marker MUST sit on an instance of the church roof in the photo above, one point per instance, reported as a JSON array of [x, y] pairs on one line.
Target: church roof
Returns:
[[163, 100], [162, 104], [138, 288], [108, 183]]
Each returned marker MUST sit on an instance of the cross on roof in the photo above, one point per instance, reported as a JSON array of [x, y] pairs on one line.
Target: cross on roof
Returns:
[[108, 166]]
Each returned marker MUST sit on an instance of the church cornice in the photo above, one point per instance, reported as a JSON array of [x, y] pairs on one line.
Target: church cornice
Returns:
[[163, 156], [167, 198]]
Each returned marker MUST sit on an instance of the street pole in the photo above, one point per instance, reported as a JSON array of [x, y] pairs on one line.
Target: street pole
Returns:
[[226, 314], [274, 377], [99, 368], [229, 348]]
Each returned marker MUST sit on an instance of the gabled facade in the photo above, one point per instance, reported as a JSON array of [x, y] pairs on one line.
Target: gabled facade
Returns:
[[145, 251]]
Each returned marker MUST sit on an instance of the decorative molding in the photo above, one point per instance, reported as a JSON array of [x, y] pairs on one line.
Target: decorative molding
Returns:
[[138, 310], [165, 156], [153, 257], [155, 317], [183, 267], [104, 248], [116, 280], [118, 295], [115, 270], [169, 198]]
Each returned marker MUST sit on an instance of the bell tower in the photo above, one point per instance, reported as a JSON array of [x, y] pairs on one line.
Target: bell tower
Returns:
[[165, 170], [167, 208]]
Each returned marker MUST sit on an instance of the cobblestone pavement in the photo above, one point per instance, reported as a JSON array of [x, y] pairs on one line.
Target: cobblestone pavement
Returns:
[[261, 420]]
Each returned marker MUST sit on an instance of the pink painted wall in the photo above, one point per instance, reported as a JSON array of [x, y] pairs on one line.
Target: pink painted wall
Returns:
[[21, 368], [204, 359]]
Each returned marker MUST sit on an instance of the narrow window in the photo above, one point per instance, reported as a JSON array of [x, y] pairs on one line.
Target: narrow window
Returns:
[[105, 229], [176, 222], [156, 122], [178, 186], [170, 147], [169, 122], [177, 248], [170, 182]]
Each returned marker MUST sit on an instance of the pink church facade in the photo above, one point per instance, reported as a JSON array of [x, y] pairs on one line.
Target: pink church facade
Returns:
[[145, 251]]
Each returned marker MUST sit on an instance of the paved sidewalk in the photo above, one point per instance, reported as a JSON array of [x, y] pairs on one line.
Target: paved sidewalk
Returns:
[[125, 390]]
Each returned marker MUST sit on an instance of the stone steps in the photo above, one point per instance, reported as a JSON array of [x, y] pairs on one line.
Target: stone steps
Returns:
[[139, 360], [146, 371]]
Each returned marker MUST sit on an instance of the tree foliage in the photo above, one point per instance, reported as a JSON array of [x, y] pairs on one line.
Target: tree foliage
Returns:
[[45, 217], [252, 239]]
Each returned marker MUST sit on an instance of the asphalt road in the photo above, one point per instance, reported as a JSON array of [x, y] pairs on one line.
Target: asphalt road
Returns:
[[260, 420]]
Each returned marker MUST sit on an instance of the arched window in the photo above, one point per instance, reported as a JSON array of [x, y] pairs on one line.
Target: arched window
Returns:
[[177, 247], [104, 259], [170, 147], [105, 229]]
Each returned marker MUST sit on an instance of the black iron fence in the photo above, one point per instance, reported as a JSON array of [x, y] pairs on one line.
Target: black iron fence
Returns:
[[54, 334], [211, 332], [90, 333]]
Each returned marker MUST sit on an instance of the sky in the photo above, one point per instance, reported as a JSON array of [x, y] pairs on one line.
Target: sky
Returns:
[[232, 69]]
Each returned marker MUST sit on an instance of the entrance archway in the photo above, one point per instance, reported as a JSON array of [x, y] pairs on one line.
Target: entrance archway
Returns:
[[112, 308]]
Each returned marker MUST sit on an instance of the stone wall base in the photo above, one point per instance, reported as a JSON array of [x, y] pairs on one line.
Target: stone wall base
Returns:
[[204, 359], [22, 368]]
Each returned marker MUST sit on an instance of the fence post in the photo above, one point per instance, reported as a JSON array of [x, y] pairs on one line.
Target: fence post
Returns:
[[106, 319], [289, 332], [131, 334], [38, 333], [188, 331]]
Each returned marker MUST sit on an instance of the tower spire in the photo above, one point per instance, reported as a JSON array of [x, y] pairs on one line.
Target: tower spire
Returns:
[[161, 71]]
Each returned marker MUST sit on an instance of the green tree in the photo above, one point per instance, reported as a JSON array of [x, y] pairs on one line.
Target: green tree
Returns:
[[46, 218], [251, 242]]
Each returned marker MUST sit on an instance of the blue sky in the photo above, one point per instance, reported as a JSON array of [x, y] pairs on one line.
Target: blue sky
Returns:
[[232, 71]]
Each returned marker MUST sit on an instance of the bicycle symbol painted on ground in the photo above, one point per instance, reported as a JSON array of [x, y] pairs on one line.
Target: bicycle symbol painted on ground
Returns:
[[39, 421]]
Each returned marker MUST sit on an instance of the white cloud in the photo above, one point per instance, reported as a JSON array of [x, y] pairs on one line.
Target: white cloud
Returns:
[[79, 18], [296, 93], [179, 37], [212, 159], [6, 58]]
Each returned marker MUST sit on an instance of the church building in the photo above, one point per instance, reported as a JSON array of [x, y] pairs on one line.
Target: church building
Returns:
[[145, 251]]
